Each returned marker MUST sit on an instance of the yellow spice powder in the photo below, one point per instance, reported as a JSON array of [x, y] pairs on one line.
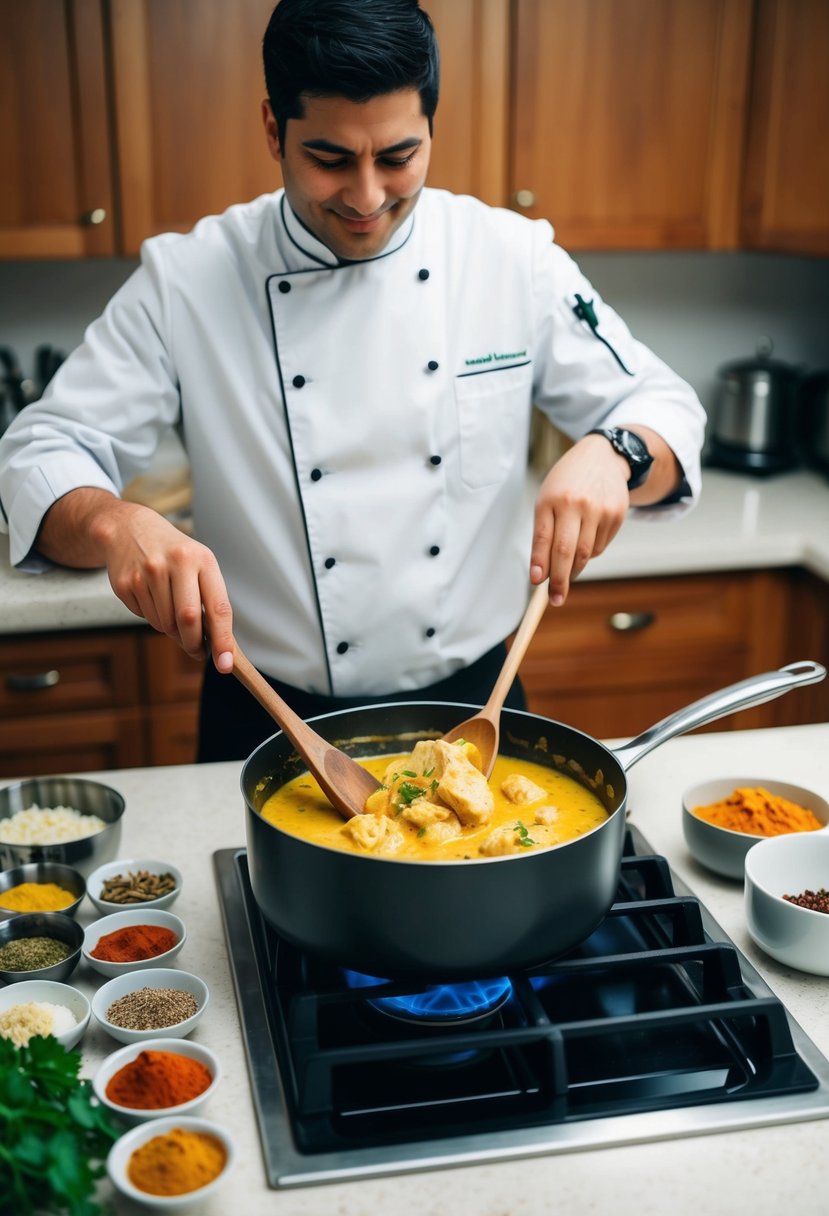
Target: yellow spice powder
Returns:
[[758, 813], [176, 1162], [36, 897]]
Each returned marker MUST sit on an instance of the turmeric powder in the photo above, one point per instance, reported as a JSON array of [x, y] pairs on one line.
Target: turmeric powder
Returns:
[[176, 1162], [36, 897], [758, 813]]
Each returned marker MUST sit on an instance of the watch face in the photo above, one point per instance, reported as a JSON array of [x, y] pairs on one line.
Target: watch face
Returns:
[[633, 445]]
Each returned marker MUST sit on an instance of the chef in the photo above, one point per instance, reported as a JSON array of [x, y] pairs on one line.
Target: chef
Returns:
[[352, 363]]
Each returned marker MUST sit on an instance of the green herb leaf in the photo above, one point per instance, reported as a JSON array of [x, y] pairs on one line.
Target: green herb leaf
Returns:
[[408, 792], [54, 1136], [524, 838], [429, 773], [422, 832], [407, 772]]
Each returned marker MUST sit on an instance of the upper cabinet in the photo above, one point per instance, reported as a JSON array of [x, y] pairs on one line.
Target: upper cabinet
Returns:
[[629, 124], [57, 193], [627, 121], [787, 167]]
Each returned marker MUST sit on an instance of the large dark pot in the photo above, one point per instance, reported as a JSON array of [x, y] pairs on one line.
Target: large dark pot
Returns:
[[450, 920]]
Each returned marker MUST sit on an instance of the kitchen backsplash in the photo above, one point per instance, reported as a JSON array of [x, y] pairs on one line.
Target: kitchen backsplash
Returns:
[[696, 310]]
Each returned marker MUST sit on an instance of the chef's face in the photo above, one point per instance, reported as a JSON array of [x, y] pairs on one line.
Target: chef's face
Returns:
[[353, 171]]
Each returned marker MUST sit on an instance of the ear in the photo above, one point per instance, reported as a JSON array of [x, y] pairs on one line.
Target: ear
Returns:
[[271, 131]]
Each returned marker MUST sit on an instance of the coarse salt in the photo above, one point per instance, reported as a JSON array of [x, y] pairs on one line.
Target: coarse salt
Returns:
[[48, 825]]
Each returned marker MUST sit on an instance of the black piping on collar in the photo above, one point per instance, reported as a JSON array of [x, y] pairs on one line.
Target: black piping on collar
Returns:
[[336, 264]]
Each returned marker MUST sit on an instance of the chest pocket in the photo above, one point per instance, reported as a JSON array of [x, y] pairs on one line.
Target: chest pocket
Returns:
[[493, 417]]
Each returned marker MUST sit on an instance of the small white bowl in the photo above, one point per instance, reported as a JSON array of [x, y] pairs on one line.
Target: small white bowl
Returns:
[[119, 1158], [125, 1055], [56, 994], [122, 920], [159, 977], [131, 865], [789, 865], [723, 850]]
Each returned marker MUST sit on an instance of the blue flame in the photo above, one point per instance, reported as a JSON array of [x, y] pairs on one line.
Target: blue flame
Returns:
[[438, 1002]]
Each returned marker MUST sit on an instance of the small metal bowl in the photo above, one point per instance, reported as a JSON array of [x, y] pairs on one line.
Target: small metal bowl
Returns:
[[44, 871], [88, 797], [43, 924]]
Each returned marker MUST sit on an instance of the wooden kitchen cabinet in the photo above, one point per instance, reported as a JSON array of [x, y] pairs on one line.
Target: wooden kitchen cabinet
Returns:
[[622, 655], [91, 700], [57, 194], [627, 120], [786, 204]]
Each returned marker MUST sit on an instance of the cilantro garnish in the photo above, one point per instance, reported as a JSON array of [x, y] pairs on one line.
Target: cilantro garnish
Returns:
[[524, 838], [429, 773], [422, 832], [409, 792], [407, 772]]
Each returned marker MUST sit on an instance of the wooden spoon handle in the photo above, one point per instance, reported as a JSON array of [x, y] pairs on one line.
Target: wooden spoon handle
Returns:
[[533, 613], [308, 743]]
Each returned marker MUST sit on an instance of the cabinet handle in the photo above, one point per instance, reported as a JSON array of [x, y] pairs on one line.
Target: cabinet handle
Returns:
[[91, 218], [631, 622], [524, 198], [42, 679]]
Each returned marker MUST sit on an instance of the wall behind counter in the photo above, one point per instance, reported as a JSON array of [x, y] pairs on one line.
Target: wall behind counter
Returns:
[[696, 310]]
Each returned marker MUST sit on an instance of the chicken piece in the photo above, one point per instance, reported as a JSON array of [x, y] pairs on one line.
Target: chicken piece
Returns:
[[548, 815], [521, 790], [368, 831], [463, 787], [423, 813], [379, 803], [446, 829], [516, 838]]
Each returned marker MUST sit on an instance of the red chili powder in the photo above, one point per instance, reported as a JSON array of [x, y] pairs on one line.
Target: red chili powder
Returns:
[[134, 942]]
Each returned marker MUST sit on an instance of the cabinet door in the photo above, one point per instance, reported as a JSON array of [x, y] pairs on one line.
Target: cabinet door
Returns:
[[628, 120], [56, 199], [470, 129], [188, 84], [787, 166]]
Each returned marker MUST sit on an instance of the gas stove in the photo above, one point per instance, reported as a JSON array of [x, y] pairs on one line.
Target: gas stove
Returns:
[[655, 1026]]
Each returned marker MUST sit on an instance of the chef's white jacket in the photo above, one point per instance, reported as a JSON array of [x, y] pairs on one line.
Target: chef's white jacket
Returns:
[[358, 433]]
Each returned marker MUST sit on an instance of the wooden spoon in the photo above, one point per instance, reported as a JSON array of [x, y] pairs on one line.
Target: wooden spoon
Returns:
[[484, 728], [345, 783]]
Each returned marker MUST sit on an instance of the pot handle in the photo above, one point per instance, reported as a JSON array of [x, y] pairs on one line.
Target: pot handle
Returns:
[[753, 691]]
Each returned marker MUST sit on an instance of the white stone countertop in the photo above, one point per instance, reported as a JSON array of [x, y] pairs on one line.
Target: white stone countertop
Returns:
[[182, 814], [741, 522]]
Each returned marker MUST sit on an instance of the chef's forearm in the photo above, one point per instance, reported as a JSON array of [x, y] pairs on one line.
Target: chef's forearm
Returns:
[[665, 473], [77, 530]]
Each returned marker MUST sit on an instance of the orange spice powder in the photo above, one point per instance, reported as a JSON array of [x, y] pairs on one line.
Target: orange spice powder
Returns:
[[758, 813]]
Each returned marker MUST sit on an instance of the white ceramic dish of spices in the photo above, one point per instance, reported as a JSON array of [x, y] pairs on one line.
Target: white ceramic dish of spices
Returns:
[[789, 865], [137, 925], [67, 1009], [724, 850], [154, 1078], [141, 876], [144, 1000], [39, 946], [121, 1155]]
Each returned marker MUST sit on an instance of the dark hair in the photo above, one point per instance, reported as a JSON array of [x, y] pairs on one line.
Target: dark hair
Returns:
[[357, 49]]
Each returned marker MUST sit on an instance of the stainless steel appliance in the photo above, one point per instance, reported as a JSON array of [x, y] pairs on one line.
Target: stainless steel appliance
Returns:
[[754, 420], [655, 1011]]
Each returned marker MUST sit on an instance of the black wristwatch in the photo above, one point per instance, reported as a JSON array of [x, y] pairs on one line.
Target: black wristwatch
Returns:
[[632, 447]]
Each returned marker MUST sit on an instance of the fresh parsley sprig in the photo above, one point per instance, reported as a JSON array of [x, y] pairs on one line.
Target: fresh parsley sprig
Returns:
[[54, 1135]]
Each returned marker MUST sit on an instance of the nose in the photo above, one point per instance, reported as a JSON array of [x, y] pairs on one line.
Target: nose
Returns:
[[365, 192]]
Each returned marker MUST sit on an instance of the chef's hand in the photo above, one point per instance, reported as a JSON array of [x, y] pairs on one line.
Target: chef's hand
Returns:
[[161, 574], [580, 507], [583, 501]]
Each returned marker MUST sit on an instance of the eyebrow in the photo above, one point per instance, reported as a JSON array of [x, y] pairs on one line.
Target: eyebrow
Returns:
[[325, 145]]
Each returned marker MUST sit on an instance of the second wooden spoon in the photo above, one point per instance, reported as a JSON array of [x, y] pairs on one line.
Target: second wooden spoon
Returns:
[[484, 728], [345, 783]]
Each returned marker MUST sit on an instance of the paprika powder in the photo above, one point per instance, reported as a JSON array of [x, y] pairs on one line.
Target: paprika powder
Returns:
[[134, 942], [156, 1079]]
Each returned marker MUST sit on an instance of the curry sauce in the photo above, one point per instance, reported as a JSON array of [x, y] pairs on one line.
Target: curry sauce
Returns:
[[533, 806]]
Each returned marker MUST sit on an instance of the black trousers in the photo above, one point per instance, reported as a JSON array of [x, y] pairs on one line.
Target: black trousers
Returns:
[[232, 723]]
